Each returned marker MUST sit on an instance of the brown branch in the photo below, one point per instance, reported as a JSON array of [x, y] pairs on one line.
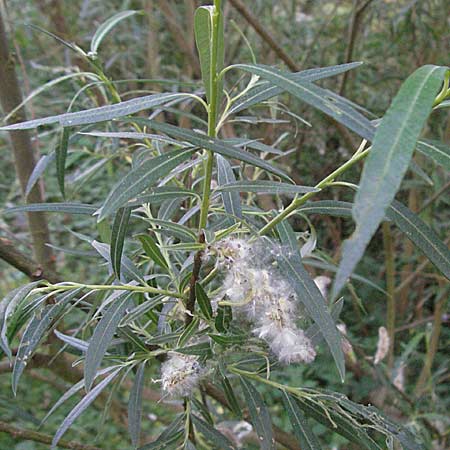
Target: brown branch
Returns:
[[23, 263], [280, 436], [262, 31], [24, 160], [357, 15], [190, 304], [30, 435]]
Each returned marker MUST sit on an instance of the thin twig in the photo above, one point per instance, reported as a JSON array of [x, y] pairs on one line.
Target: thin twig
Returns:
[[30, 435], [23, 263]]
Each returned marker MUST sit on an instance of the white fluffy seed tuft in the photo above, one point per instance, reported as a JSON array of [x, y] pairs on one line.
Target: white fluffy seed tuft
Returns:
[[180, 374], [260, 295]]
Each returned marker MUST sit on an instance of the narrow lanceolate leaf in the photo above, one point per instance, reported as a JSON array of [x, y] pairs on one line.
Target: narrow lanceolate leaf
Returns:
[[225, 176], [140, 178], [203, 27], [420, 234], [38, 170], [34, 332], [212, 435], [213, 144], [395, 140], [135, 406], [259, 414], [72, 391], [265, 186], [158, 195], [203, 301], [152, 250], [106, 27], [100, 114], [129, 271], [319, 98], [169, 436], [308, 293], [203, 40], [61, 154], [119, 230], [68, 208], [302, 431], [7, 308], [81, 406], [266, 90], [102, 337], [173, 229], [436, 150]]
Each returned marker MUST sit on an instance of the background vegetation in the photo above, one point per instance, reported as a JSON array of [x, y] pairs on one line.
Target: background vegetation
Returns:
[[155, 51]]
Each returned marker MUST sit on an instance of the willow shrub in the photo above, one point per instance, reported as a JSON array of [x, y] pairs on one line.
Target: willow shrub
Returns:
[[215, 290]]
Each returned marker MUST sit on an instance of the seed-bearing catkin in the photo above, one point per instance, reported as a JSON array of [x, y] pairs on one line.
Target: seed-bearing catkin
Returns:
[[180, 374], [263, 298]]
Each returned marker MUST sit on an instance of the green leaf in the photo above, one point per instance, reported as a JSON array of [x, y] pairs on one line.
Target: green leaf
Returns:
[[119, 230], [266, 90], [129, 271], [188, 332], [253, 144], [134, 135], [203, 40], [67, 208], [436, 150], [152, 250], [203, 25], [315, 96], [213, 144], [158, 195], [101, 114], [61, 154], [265, 186], [140, 178], [72, 391], [81, 406], [340, 424], [395, 140], [423, 236], [228, 339], [223, 318], [259, 414], [302, 432], [415, 229], [34, 332], [106, 27], [225, 175], [7, 308], [202, 349], [173, 229], [231, 397], [290, 264], [135, 405], [203, 301], [212, 435], [102, 337], [141, 309], [38, 170], [168, 437]]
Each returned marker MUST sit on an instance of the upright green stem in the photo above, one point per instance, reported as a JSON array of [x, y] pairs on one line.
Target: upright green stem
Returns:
[[212, 114], [209, 163], [304, 198]]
